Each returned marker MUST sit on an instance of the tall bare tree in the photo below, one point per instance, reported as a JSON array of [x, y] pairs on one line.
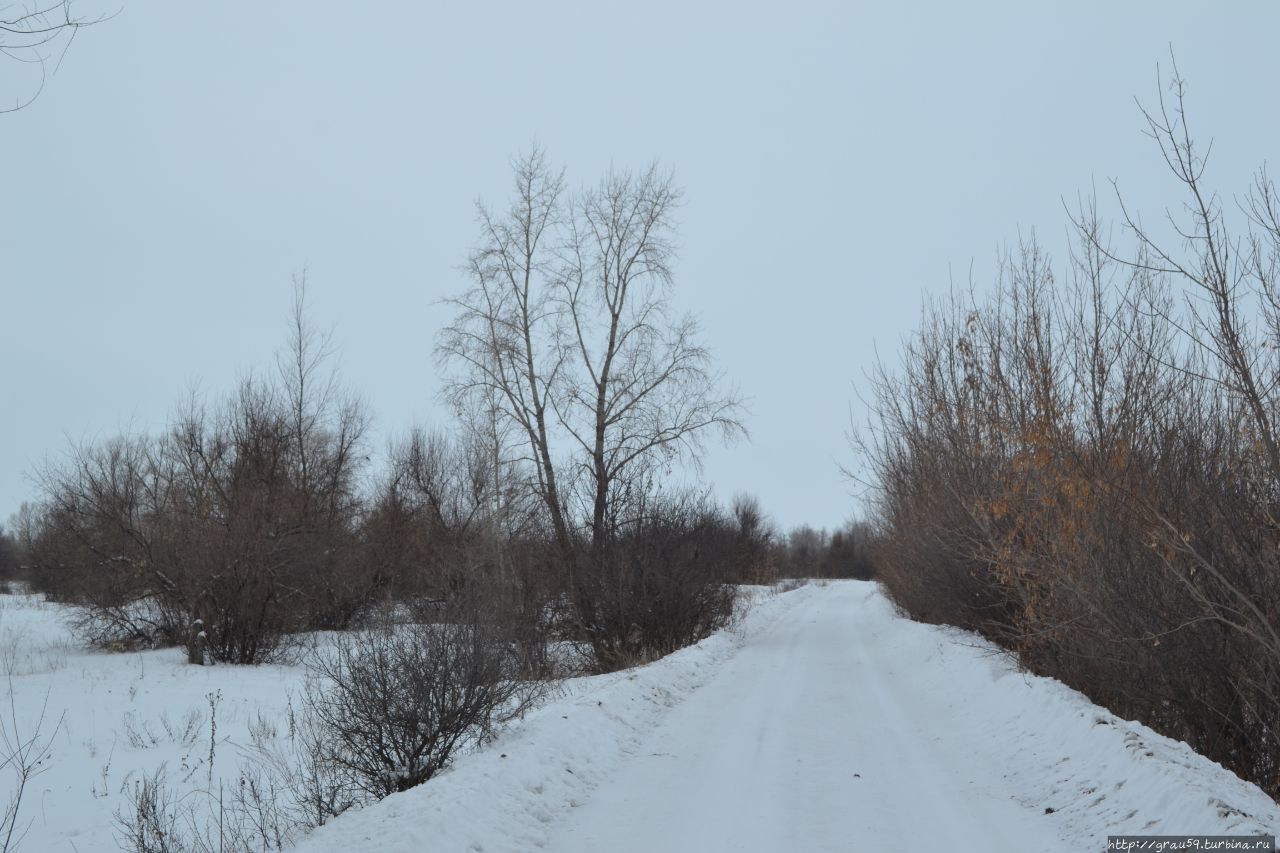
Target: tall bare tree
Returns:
[[643, 390], [569, 333], [328, 423], [504, 339]]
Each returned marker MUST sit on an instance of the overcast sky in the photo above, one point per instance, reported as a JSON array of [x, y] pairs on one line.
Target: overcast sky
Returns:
[[840, 160]]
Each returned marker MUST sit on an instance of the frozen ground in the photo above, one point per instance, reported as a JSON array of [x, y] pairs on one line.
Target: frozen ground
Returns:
[[822, 722], [116, 718]]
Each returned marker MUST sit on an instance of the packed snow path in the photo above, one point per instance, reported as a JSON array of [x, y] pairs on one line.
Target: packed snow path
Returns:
[[813, 737], [823, 722]]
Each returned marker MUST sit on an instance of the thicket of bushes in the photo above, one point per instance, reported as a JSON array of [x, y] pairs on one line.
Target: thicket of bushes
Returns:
[[1085, 468], [259, 517], [260, 529], [245, 514]]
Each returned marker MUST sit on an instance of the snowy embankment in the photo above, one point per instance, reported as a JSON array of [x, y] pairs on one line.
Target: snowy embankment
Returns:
[[821, 722]]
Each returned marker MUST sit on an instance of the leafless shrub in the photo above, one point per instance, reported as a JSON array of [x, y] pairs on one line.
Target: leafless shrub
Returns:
[[660, 584], [151, 824], [24, 755], [253, 816], [444, 514], [244, 515], [320, 787], [396, 704]]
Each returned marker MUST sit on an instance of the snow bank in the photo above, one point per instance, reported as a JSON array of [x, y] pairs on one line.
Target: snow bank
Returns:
[[1099, 774], [1090, 772], [504, 797]]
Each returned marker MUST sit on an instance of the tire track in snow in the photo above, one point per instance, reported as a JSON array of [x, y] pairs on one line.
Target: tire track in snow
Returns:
[[809, 738]]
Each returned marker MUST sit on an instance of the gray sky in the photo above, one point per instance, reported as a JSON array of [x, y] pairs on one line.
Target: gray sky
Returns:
[[839, 159]]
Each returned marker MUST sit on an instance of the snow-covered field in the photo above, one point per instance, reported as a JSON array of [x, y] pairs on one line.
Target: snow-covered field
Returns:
[[117, 718], [822, 721]]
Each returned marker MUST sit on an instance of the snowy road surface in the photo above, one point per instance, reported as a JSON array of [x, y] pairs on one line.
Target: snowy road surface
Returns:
[[823, 722], [813, 737]]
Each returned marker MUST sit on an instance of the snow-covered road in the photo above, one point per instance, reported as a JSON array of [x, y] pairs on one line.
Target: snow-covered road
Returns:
[[823, 722], [814, 736]]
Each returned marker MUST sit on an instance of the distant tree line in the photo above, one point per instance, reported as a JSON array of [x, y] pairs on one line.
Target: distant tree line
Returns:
[[1085, 465], [843, 553]]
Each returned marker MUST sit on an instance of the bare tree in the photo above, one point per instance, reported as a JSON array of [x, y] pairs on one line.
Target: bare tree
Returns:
[[328, 424], [504, 338], [1233, 279], [34, 34], [568, 333], [641, 389], [568, 345]]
